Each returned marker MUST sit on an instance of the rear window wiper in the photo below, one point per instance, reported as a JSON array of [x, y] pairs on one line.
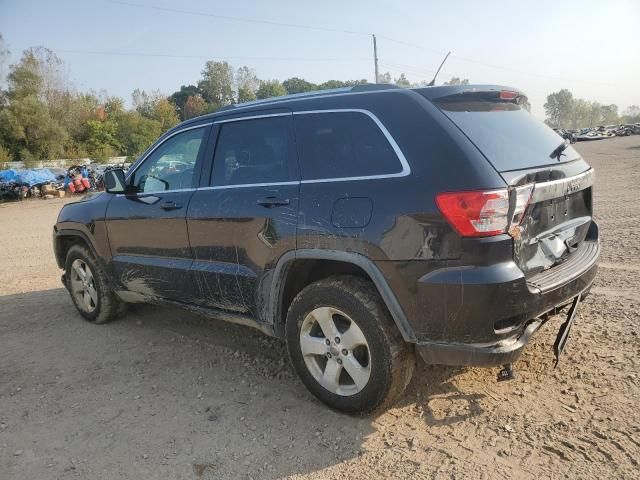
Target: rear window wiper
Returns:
[[557, 152]]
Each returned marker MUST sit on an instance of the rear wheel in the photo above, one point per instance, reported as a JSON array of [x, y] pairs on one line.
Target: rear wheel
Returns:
[[87, 283], [345, 347]]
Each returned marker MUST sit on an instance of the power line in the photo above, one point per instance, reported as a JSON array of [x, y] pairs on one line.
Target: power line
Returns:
[[489, 65], [337, 30], [235, 19], [210, 57]]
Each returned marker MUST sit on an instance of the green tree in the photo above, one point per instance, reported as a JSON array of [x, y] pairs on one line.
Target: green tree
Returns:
[[298, 85], [270, 88], [216, 86], [559, 108], [136, 132], [102, 141]]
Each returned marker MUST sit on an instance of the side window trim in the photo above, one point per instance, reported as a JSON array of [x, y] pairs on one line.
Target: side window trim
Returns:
[[161, 142], [406, 169]]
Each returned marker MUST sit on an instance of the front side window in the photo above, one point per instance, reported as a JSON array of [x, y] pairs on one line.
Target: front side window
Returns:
[[254, 151], [171, 166], [341, 145]]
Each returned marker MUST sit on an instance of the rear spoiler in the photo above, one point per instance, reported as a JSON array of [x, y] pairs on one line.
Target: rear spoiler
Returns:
[[466, 93]]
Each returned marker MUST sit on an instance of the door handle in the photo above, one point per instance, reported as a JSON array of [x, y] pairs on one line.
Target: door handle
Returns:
[[170, 206], [270, 202]]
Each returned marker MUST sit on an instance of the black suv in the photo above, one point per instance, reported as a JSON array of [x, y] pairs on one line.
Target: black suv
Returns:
[[361, 224]]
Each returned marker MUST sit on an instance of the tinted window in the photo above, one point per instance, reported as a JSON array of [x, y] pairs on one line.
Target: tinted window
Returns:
[[506, 133], [171, 165], [343, 144], [254, 151]]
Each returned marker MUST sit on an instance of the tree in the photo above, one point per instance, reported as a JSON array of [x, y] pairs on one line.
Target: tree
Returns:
[[179, 98], [194, 106], [402, 81], [331, 84], [632, 114], [298, 85], [247, 80], [559, 108], [165, 113], [4, 56], [384, 78], [270, 88], [457, 81], [609, 114], [216, 86]]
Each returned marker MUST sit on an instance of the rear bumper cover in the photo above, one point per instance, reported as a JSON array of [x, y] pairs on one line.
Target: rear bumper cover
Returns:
[[539, 297]]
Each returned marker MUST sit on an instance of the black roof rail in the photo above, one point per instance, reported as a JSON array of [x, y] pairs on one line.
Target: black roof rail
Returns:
[[363, 87]]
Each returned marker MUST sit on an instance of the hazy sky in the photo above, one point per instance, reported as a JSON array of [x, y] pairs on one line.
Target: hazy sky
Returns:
[[588, 46]]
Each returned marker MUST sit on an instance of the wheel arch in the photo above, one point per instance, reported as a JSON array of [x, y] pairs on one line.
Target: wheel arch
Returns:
[[283, 288], [64, 239]]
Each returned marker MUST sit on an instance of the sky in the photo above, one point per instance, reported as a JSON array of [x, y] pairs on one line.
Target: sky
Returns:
[[590, 47]]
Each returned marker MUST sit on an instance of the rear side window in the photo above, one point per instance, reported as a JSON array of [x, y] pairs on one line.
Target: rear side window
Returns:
[[255, 151], [343, 144], [506, 133]]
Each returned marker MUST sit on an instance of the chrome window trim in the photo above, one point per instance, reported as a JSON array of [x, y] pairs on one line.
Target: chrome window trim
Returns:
[[142, 194], [267, 115], [144, 159], [406, 169], [246, 185], [563, 186]]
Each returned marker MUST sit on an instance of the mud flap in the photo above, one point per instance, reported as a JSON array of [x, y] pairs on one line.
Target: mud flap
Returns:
[[563, 334]]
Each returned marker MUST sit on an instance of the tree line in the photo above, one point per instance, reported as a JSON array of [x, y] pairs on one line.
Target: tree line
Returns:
[[563, 110], [43, 117]]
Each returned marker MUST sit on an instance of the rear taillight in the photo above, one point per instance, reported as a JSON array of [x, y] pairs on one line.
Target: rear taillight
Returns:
[[483, 213]]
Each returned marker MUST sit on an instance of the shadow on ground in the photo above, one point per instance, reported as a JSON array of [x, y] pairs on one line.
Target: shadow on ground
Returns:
[[165, 392]]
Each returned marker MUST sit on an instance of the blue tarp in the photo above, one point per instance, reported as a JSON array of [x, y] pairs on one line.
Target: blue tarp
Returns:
[[30, 177], [8, 175]]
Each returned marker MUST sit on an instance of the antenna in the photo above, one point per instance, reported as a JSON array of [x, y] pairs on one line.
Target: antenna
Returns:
[[375, 56], [433, 82]]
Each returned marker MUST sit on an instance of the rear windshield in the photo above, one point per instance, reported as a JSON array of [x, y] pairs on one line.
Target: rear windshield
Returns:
[[506, 133]]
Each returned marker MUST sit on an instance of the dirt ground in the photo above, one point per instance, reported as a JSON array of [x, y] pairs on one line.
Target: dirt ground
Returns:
[[164, 394]]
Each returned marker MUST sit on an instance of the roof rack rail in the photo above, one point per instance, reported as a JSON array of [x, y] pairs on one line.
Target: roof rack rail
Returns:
[[363, 87]]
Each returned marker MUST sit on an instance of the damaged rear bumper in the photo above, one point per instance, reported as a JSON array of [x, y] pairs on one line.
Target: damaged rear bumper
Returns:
[[538, 296]]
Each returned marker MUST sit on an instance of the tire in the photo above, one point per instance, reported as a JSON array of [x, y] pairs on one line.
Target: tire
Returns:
[[91, 294], [382, 367]]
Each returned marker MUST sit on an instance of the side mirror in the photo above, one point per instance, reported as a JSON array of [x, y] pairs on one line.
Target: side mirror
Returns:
[[114, 181]]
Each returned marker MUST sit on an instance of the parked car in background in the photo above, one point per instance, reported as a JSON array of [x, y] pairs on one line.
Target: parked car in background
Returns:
[[363, 225]]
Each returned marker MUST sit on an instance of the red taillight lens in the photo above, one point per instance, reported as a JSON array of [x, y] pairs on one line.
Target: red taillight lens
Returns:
[[476, 214], [508, 95], [484, 213]]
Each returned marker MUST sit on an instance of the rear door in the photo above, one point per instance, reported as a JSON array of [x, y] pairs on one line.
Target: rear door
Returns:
[[148, 229], [245, 218], [558, 219]]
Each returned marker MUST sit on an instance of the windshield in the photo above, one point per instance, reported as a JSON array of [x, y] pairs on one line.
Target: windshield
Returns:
[[506, 133]]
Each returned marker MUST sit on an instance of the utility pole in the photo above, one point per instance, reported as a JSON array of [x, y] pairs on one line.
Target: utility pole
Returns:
[[375, 56]]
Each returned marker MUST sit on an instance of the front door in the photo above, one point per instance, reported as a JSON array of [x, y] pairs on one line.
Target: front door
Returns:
[[147, 229], [245, 219]]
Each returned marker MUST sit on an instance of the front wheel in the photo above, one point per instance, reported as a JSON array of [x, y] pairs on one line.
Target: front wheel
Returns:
[[345, 347], [87, 283]]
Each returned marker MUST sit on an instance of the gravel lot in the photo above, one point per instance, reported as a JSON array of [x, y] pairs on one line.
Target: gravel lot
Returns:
[[164, 394]]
